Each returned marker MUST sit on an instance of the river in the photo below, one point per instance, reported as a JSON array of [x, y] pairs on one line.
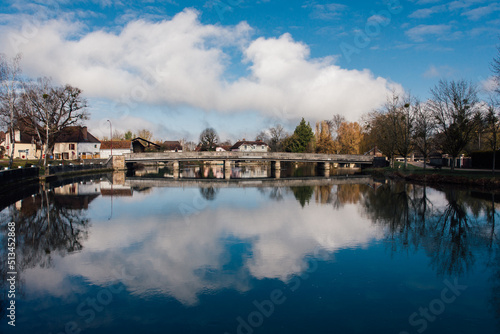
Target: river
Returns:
[[345, 254]]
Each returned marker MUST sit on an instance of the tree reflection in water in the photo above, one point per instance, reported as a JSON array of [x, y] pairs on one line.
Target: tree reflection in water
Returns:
[[46, 223], [449, 232], [452, 230], [453, 233], [303, 194], [209, 193]]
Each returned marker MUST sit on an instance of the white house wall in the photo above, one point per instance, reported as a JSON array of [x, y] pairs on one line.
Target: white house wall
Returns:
[[250, 148], [93, 148], [106, 153], [21, 148]]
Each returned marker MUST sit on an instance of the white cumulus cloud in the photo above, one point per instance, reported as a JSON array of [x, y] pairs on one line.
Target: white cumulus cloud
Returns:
[[181, 61]]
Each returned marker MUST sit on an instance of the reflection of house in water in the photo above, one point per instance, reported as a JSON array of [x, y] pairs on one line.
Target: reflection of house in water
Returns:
[[118, 190], [251, 171], [80, 188], [116, 187], [76, 196]]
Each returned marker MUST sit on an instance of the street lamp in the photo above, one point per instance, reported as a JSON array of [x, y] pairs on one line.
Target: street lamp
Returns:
[[111, 136]]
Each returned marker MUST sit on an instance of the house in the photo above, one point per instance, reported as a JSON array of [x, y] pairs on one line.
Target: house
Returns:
[[223, 148], [25, 146], [172, 146], [75, 142], [118, 147], [140, 145], [250, 146], [375, 152]]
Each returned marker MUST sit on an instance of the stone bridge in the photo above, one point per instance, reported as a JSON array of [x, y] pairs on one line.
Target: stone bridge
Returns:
[[324, 161]]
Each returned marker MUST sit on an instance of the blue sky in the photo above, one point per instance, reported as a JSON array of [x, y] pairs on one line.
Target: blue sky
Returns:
[[242, 66]]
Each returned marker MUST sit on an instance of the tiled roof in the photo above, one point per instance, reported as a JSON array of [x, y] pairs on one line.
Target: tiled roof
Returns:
[[144, 142], [225, 147], [76, 134], [118, 144]]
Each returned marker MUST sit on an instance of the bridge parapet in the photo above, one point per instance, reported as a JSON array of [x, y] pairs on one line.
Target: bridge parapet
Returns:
[[265, 156]]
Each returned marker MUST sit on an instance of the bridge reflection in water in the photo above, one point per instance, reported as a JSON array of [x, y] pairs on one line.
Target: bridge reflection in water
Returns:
[[237, 170]]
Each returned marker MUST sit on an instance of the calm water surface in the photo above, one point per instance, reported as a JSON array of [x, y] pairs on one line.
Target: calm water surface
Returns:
[[337, 255]]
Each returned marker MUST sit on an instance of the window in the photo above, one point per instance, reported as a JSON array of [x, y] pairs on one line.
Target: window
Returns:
[[65, 155], [245, 147], [95, 146], [263, 147], [71, 146]]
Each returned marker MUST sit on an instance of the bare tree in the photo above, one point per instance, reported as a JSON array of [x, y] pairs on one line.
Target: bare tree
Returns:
[[263, 136], [277, 136], [51, 110], [493, 130], [424, 129], [335, 123], [495, 68], [10, 71], [455, 106], [379, 126], [390, 127], [118, 135], [404, 117], [187, 145], [209, 139], [145, 134]]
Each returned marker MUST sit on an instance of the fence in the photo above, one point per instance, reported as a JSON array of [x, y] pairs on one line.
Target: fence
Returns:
[[12, 175]]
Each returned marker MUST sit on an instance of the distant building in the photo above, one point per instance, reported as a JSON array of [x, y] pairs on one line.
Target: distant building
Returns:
[[172, 146], [250, 146], [223, 148], [375, 152], [140, 145], [75, 142], [119, 147]]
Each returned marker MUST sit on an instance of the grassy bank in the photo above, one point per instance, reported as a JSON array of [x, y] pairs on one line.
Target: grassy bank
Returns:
[[476, 178]]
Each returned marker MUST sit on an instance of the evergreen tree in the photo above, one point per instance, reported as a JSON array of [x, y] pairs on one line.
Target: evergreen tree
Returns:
[[301, 140]]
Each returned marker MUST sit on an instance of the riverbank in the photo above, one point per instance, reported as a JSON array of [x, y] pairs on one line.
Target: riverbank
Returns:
[[22, 174], [469, 178]]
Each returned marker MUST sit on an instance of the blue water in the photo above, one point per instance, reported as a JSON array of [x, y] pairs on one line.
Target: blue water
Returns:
[[363, 257]]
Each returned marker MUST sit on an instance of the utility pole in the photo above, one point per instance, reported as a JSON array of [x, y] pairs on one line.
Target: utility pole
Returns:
[[111, 136]]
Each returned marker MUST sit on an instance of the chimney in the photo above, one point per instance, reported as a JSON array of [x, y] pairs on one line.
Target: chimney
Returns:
[[84, 132]]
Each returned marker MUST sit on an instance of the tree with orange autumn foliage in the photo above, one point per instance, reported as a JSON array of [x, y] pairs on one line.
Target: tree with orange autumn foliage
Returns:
[[324, 141], [349, 138]]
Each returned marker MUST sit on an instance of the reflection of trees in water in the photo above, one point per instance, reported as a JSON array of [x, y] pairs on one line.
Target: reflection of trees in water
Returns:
[[453, 235], [276, 193], [323, 194], [495, 284], [209, 193], [494, 252], [46, 224], [450, 235], [303, 194]]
